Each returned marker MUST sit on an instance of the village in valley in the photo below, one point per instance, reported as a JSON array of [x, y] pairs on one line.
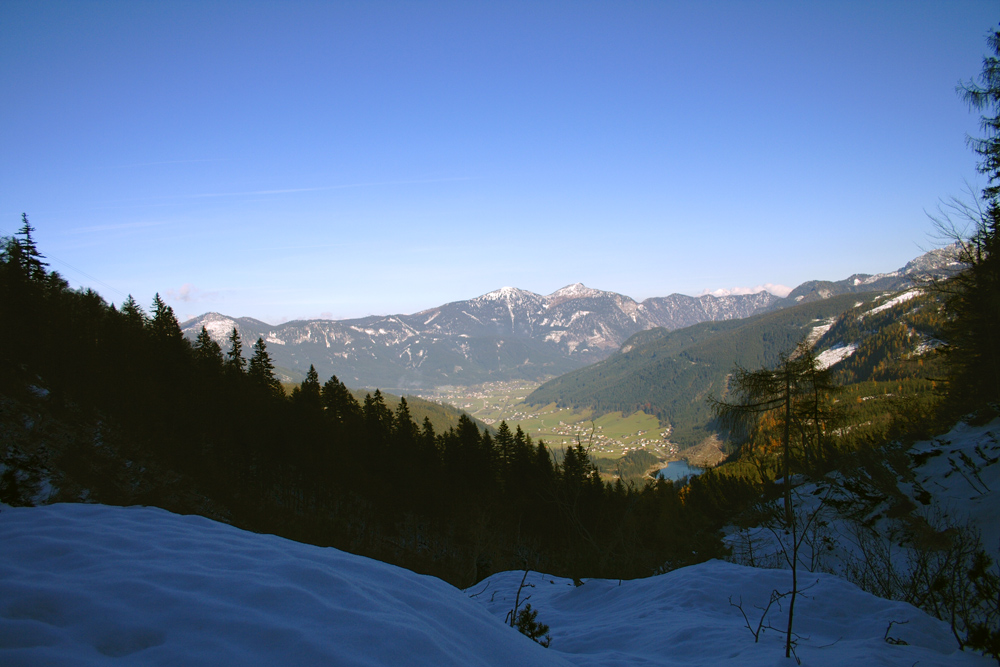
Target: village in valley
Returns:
[[610, 435]]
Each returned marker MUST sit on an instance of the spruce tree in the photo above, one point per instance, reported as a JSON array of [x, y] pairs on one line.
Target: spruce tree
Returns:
[[133, 313], [261, 370], [207, 351], [975, 300], [504, 443], [235, 362], [341, 407], [308, 395], [163, 324], [378, 419], [405, 431], [427, 431], [31, 258]]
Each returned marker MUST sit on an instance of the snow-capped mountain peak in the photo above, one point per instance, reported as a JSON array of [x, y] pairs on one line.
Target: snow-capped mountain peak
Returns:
[[509, 332], [509, 294], [575, 291]]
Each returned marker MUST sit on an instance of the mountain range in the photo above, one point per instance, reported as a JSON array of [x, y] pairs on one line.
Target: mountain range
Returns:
[[512, 333]]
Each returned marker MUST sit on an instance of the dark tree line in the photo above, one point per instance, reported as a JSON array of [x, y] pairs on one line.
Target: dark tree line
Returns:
[[974, 295], [149, 417]]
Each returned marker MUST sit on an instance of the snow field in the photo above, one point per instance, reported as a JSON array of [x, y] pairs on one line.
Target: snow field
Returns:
[[684, 618], [97, 585]]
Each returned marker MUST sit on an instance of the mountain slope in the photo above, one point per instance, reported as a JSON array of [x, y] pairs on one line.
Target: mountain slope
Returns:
[[874, 343], [670, 373], [512, 333], [933, 265], [505, 334]]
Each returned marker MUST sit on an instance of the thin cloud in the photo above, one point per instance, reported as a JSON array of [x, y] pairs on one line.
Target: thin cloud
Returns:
[[188, 293], [111, 228], [329, 187], [146, 201], [151, 164]]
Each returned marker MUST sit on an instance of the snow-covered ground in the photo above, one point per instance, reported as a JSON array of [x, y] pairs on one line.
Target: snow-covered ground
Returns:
[[960, 472], [952, 481], [685, 617], [919, 515], [96, 585]]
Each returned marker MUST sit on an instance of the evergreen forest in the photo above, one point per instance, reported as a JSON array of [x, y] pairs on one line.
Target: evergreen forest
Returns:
[[114, 405]]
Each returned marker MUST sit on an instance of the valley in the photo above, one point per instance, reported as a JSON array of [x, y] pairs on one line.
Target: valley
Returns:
[[610, 435]]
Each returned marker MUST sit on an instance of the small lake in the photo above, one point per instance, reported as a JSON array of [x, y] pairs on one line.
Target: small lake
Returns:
[[678, 469]]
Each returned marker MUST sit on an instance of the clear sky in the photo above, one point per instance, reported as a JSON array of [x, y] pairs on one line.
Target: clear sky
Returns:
[[286, 160]]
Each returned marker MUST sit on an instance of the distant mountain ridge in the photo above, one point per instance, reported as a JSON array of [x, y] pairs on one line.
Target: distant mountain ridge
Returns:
[[509, 333], [866, 338], [935, 264]]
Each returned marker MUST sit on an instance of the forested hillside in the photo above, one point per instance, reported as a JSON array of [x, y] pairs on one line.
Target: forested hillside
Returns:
[[115, 406], [670, 374]]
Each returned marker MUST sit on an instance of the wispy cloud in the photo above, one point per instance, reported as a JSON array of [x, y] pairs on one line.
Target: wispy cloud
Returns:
[[777, 290], [161, 200], [188, 293], [330, 187], [151, 164], [111, 228]]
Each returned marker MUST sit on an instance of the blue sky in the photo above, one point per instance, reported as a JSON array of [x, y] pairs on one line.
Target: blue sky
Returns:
[[289, 160]]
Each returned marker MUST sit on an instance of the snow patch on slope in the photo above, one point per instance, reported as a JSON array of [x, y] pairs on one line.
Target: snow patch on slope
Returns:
[[819, 331], [895, 301], [835, 355]]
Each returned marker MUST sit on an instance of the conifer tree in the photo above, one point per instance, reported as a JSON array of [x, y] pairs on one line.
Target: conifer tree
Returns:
[[207, 351], [427, 435], [163, 324], [544, 467], [378, 419], [405, 431], [308, 395], [133, 313], [792, 393], [261, 370], [12, 258], [428, 442], [31, 258], [974, 331], [504, 443], [311, 383], [340, 405], [235, 362]]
